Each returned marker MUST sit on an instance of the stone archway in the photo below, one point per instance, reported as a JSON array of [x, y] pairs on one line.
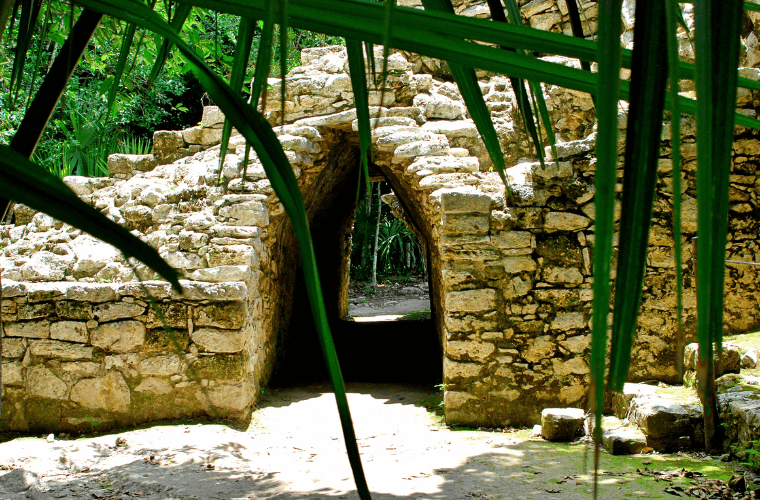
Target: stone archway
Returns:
[[510, 279]]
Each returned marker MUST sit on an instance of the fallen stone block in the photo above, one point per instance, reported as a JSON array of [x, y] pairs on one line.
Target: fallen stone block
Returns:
[[560, 424], [624, 440], [667, 424]]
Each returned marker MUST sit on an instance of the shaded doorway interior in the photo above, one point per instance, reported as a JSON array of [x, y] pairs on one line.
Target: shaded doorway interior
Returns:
[[406, 351]]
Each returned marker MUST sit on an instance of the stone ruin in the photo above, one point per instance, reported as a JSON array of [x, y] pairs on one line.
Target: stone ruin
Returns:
[[510, 280]]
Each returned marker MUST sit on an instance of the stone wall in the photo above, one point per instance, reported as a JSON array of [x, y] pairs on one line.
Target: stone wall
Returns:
[[510, 279], [90, 356]]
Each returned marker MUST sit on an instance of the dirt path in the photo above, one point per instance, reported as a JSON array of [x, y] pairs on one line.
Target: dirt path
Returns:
[[293, 448]]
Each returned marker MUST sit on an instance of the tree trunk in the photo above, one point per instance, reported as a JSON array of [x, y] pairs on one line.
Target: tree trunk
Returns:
[[377, 237], [707, 395], [365, 243]]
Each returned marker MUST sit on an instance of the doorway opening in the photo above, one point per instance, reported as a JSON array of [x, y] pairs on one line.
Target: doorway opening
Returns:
[[400, 347]]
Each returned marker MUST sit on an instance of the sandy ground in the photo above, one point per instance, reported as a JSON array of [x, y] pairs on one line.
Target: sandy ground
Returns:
[[293, 448]]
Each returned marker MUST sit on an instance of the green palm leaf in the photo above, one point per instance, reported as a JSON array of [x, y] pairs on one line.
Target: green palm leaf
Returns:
[[252, 125], [606, 174], [642, 153]]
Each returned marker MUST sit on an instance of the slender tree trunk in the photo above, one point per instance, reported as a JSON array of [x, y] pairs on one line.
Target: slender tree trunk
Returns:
[[706, 389], [365, 242], [707, 395], [377, 237]]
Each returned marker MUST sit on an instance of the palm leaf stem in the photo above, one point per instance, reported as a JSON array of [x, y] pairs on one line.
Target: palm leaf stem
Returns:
[[642, 153], [606, 175]]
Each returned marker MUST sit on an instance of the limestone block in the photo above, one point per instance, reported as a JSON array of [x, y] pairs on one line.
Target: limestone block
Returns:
[[560, 424], [664, 421], [565, 221], [166, 142], [570, 275], [138, 215], [119, 336], [740, 412], [452, 129], [220, 274], [542, 347], [577, 344], [217, 340], [230, 315], [13, 348], [83, 186], [468, 323], [154, 385], [124, 164], [518, 264], [60, 350], [386, 121], [297, 144], [689, 214], [469, 349], [572, 148], [456, 399], [232, 255], [34, 311], [42, 382], [471, 300], [183, 260], [110, 393], [454, 370], [436, 146], [32, 329], [174, 316], [464, 200], [573, 366], [512, 239], [46, 266], [111, 311], [624, 441], [12, 289], [465, 223], [13, 373], [162, 365], [212, 117], [517, 287], [749, 359], [226, 398], [252, 213], [439, 106], [92, 255], [568, 321], [80, 369], [221, 292], [443, 165], [89, 292]]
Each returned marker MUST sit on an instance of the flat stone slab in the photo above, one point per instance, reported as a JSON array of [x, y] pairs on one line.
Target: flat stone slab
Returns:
[[561, 424], [668, 424], [624, 440]]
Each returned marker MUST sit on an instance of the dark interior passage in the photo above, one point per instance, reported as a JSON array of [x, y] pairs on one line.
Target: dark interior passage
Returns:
[[383, 351]]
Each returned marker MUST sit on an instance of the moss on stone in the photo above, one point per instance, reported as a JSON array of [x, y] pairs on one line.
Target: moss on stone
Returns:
[[560, 249], [172, 340], [219, 367]]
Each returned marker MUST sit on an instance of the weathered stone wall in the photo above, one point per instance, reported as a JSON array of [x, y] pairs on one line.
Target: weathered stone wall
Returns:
[[510, 278], [90, 356]]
